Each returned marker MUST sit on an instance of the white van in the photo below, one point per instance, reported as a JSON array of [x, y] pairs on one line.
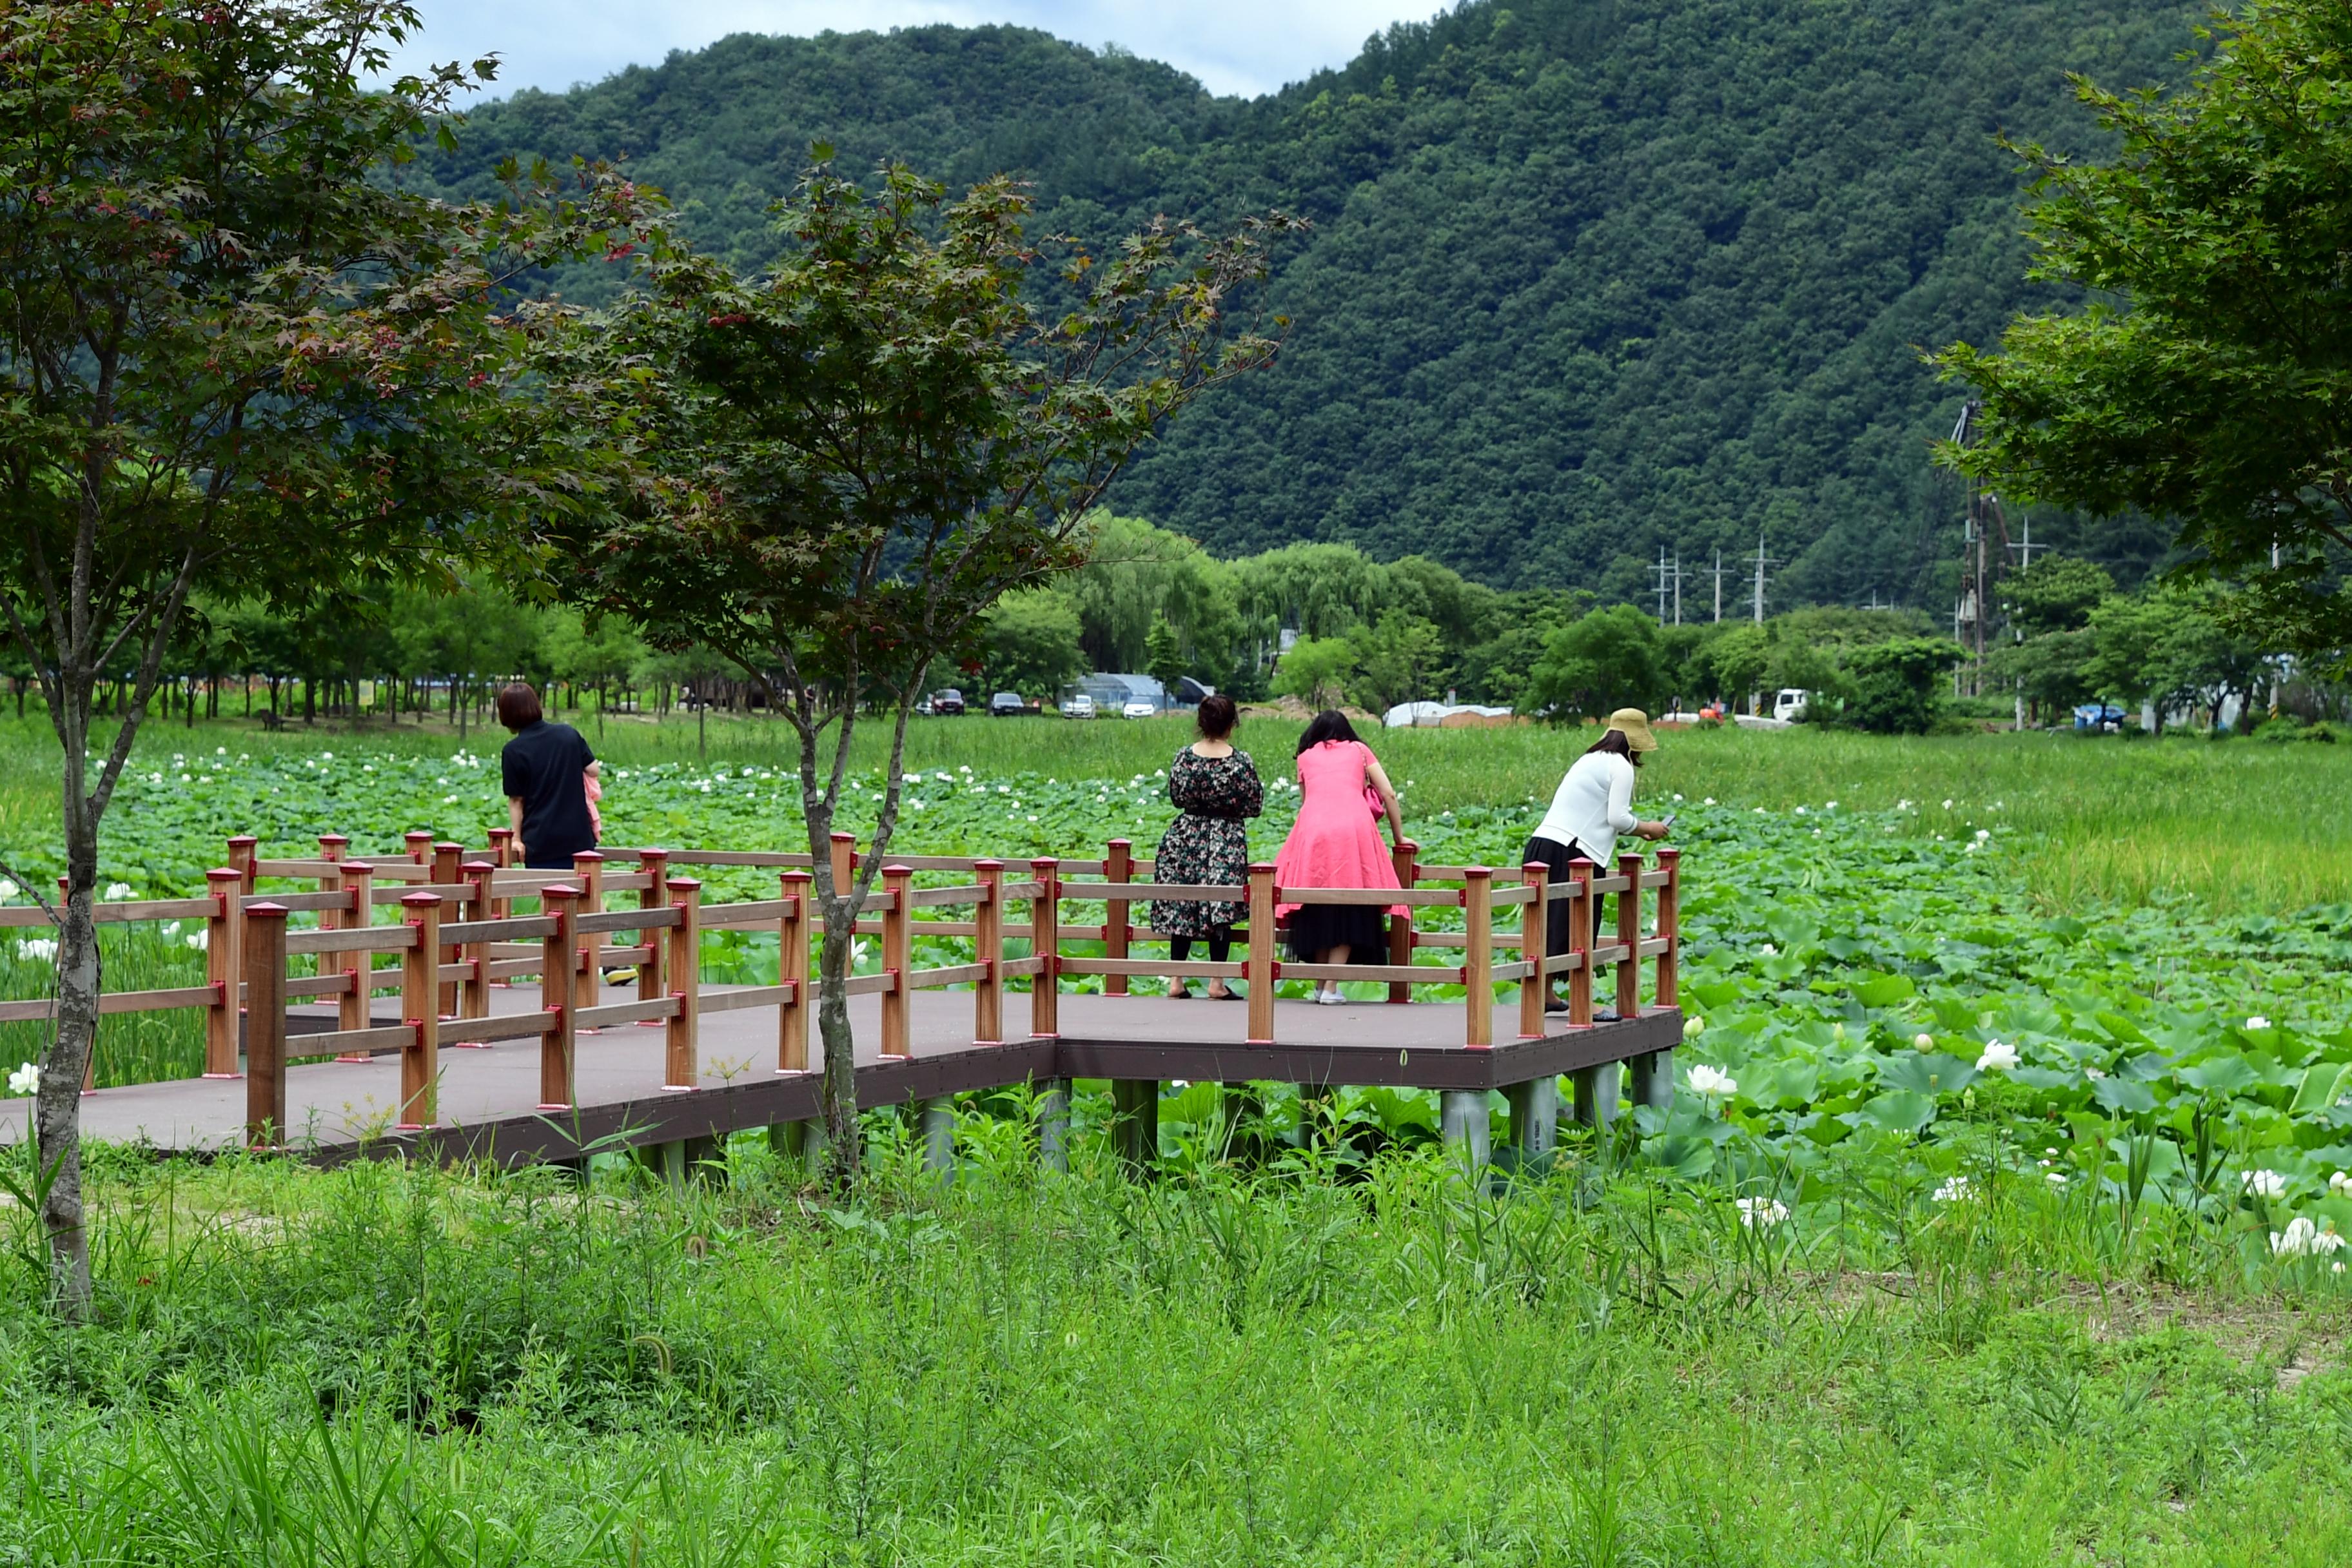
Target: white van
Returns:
[[1788, 703]]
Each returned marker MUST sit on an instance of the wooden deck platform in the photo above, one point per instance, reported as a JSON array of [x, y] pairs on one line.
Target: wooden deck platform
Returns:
[[488, 1099]]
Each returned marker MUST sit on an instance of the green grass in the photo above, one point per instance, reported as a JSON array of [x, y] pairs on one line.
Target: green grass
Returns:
[[378, 1366], [2232, 826]]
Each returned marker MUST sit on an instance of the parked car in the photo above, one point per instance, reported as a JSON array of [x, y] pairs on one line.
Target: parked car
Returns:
[[1006, 705], [1078, 706], [947, 701], [1140, 709], [1789, 703], [2099, 718]]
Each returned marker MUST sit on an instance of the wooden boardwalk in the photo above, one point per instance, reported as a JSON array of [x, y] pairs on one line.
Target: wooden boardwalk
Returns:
[[488, 1096], [500, 1042]]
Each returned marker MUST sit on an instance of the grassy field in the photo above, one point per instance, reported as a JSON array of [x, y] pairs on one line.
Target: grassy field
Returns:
[[2233, 826], [1964, 1322], [383, 1366]]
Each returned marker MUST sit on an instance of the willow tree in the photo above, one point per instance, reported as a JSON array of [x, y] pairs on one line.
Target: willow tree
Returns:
[[849, 457], [233, 360]]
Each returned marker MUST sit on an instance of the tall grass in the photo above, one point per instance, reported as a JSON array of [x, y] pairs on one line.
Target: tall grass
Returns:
[[380, 1364]]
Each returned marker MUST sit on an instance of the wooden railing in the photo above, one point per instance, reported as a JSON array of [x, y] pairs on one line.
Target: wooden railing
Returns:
[[455, 936]]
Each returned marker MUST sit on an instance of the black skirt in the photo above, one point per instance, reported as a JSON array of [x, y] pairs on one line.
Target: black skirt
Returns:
[[1363, 928], [1555, 858]]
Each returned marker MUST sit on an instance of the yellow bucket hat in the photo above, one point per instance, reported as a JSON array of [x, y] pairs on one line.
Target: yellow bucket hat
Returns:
[[1636, 725]]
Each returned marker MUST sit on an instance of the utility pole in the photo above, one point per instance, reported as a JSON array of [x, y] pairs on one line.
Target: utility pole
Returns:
[[1662, 583], [1762, 561], [1718, 584], [1678, 589]]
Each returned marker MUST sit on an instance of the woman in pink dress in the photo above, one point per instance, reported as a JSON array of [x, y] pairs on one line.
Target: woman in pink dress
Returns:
[[1335, 844]]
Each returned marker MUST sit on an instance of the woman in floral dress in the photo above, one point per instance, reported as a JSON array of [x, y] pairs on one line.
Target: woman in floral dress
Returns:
[[1216, 789]]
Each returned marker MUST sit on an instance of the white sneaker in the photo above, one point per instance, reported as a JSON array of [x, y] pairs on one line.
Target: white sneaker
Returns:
[[1329, 998]]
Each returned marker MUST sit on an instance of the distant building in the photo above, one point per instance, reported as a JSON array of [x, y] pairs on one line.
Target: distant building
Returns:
[[1113, 692]]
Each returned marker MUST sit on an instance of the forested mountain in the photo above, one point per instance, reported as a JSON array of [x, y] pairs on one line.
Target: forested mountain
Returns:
[[1588, 277]]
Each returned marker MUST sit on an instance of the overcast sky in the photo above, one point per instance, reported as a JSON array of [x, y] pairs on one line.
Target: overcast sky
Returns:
[[1246, 46]]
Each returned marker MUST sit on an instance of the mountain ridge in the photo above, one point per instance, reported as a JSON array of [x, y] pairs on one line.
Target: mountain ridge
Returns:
[[1589, 277]]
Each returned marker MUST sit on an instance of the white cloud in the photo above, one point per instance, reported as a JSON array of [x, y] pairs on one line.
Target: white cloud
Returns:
[[1233, 45]]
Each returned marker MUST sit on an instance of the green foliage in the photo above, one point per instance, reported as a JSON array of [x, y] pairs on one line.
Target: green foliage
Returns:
[[2216, 400], [2055, 593], [1317, 671], [1030, 643], [1163, 655], [1586, 279], [1397, 660], [1611, 659], [1893, 684], [2172, 649]]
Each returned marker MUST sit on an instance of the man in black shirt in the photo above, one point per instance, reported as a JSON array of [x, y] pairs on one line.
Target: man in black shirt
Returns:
[[546, 768]]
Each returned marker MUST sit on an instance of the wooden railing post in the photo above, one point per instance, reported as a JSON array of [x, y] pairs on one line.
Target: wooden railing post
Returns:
[[988, 950], [793, 969], [473, 991], [334, 848], [241, 856], [588, 875], [845, 863], [502, 848], [352, 1008], [654, 864], [1478, 956], [223, 969], [1407, 858], [1580, 943], [897, 948], [265, 1028], [420, 847], [1534, 931], [1259, 968], [1118, 866], [681, 1065], [1670, 910], [420, 1000], [1628, 933], [558, 1087], [448, 872], [1045, 915]]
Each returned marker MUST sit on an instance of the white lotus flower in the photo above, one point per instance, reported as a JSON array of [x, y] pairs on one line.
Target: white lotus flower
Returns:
[[1947, 806], [2055, 1178], [1996, 1057], [2093, 1074], [1923, 1041], [40, 948], [7, 888], [1955, 1190], [195, 941], [1770, 952], [1759, 1214], [2301, 1238], [1801, 811], [1983, 834], [2264, 1183], [2340, 1184], [119, 889], [1708, 801], [1694, 1027], [2258, 1022], [26, 1081], [1712, 1081]]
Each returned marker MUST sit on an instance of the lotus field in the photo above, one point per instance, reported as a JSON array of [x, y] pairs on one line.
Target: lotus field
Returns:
[[1878, 1003]]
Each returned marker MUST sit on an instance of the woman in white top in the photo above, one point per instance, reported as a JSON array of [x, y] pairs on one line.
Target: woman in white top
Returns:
[[1594, 804]]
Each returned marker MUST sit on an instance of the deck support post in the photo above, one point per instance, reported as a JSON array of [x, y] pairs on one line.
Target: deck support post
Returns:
[[1629, 937], [1054, 1124], [897, 962], [1651, 1079], [938, 1123], [1596, 1096], [447, 860], [1046, 946], [558, 1084], [1406, 858], [800, 1144], [651, 986], [473, 991], [1259, 967], [1462, 1117], [988, 950], [588, 980], [1135, 1122], [1535, 1118]]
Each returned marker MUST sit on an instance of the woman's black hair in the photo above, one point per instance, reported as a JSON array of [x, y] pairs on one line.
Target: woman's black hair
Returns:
[[1217, 716], [1328, 725], [1616, 745]]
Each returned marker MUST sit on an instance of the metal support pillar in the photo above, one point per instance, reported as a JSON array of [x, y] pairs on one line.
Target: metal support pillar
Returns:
[[1535, 1118], [938, 1136], [1462, 1117], [1054, 1124], [1652, 1079], [1596, 1095]]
